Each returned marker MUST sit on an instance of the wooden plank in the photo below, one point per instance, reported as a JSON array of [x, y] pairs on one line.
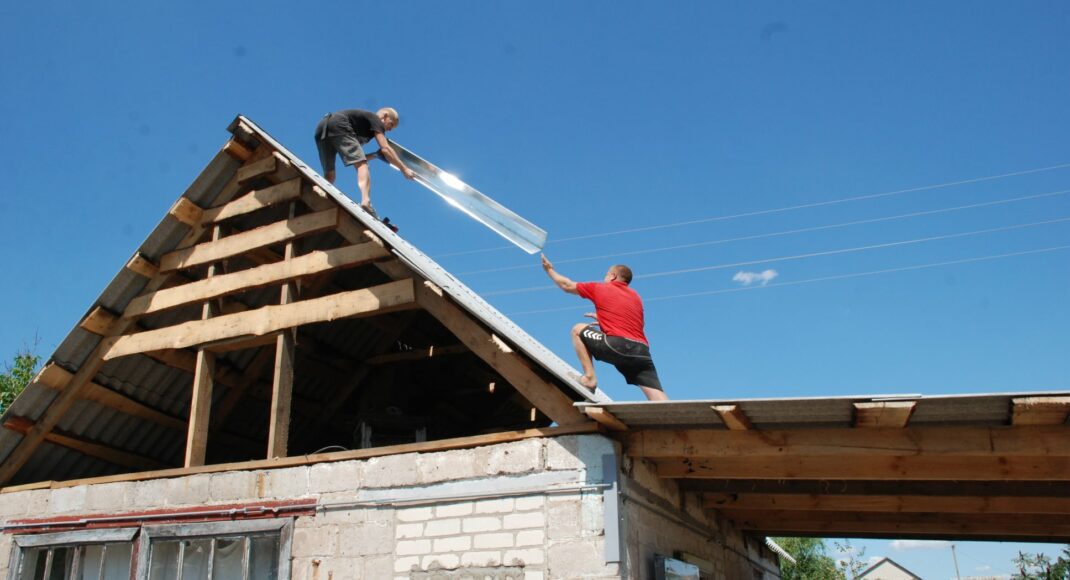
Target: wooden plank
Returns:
[[544, 395], [848, 443], [258, 168], [240, 243], [55, 377], [418, 354], [838, 524], [254, 200], [914, 468], [380, 299], [186, 212], [104, 452], [282, 381], [299, 460], [242, 343], [200, 409], [733, 417], [883, 414], [1040, 410], [99, 321], [605, 418], [142, 266], [888, 503], [227, 284], [237, 151]]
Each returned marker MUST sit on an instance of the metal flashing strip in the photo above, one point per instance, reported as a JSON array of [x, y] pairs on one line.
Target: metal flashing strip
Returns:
[[478, 206]]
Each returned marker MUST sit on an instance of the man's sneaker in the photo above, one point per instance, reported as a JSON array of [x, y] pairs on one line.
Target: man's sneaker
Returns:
[[371, 210]]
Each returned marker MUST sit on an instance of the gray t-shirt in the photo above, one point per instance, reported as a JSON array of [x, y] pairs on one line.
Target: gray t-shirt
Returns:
[[357, 122]]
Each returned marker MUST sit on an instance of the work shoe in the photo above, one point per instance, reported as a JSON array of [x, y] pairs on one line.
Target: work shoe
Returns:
[[371, 210]]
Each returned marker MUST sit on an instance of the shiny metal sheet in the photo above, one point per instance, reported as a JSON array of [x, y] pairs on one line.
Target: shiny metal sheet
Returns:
[[466, 198]]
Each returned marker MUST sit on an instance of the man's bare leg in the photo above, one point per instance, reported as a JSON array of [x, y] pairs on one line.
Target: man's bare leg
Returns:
[[364, 181], [329, 176], [589, 379], [654, 394]]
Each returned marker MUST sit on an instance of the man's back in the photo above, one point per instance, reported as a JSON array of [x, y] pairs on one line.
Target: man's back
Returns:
[[618, 307]]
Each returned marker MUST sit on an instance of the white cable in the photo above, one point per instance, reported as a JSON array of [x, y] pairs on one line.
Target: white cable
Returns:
[[777, 210], [804, 256], [530, 264], [820, 279]]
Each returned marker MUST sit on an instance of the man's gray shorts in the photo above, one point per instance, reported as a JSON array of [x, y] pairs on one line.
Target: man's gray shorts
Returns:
[[344, 144]]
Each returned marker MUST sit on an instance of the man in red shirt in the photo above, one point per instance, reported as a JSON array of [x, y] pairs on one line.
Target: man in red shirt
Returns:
[[617, 337]]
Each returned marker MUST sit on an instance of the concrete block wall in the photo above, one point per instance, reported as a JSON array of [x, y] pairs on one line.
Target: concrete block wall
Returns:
[[525, 509]]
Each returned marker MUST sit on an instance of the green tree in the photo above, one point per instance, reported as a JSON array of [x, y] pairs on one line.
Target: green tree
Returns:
[[812, 560], [852, 562], [17, 375], [1041, 566]]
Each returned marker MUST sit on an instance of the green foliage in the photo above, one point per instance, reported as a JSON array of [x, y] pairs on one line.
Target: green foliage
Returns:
[[852, 564], [16, 376], [812, 560], [1041, 567]]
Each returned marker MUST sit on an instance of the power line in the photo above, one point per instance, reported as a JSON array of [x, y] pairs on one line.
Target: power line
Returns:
[[778, 209], [807, 255], [775, 234], [820, 279]]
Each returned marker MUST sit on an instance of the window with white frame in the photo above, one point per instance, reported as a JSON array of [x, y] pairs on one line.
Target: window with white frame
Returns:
[[231, 550]]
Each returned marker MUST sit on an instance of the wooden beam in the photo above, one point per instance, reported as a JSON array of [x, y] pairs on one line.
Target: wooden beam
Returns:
[[888, 503], [142, 266], [1040, 410], [240, 243], [226, 284], [258, 168], [186, 212], [55, 377], [883, 414], [242, 343], [544, 395], [838, 524], [237, 151], [605, 418], [282, 382], [254, 200], [380, 299], [99, 321], [104, 452], [933, 467], [733, 417], [418, 354], [845, 444], [203, 386]]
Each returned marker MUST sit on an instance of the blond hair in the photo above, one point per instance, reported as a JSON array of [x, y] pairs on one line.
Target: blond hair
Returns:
[[390, 112]]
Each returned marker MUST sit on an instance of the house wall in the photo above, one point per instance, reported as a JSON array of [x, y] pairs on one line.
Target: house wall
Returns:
[[532, 509]]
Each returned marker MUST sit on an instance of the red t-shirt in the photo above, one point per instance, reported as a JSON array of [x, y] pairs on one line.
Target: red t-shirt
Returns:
[[619, 308]]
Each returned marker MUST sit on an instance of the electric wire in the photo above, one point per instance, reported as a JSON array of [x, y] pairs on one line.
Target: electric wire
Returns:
[[778, 209], [818, 279], [776, 234], [806, 255]]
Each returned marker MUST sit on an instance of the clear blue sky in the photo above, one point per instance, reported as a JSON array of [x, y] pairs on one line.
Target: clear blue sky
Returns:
[[601, 117]]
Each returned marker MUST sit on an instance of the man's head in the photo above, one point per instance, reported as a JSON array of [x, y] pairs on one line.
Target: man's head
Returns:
[[619, 273], [389, 117]]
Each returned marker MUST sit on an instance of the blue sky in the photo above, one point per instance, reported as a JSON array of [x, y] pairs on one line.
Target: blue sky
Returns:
[[654, 126]]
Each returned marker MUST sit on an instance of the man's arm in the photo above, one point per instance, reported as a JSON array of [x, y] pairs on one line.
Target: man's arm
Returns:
[[391, 156], [561, 281]]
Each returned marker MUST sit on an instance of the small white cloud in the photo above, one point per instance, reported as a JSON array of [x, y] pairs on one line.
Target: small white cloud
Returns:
[[984, 568], [748, 278], [903, 545]]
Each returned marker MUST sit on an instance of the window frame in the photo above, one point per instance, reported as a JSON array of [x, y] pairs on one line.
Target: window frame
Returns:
[[283, 525], [77, 539]]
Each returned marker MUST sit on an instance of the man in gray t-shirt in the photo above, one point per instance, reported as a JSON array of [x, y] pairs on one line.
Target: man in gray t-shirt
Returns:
[[345, 132]]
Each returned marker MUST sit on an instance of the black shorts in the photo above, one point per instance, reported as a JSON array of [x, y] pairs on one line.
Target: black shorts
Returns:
[[632, 358], [344, 144]]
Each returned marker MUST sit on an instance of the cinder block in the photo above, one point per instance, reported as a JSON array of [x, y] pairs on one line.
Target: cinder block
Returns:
[[232, 486], [443, 527], [151, 493], [578, 559], [413, 547], [344, 569], [335, 476], [405, 531], [391, 471], [321, 542], [441, 562], [530, 503], [524, 520], [494, 506], [591, 514], [530, 538], [188, 491], [517, 457], [447, 465], [481, 524], [533, 575], [407, 564], [366, 540], [481, 559], [67, 499], [416, 514], [454, 509], [579, 452], [564, 520], [524, 557], [378, 567], [106, 496], [458, 544], [496, 540], [288, 483]]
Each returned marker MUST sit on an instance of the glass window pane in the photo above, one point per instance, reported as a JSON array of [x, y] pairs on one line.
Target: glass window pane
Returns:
[[62, 558], [117, 561], [195, 559], [163, 560], [228, 559], [264, 557], [92, 555], [33, 563]]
